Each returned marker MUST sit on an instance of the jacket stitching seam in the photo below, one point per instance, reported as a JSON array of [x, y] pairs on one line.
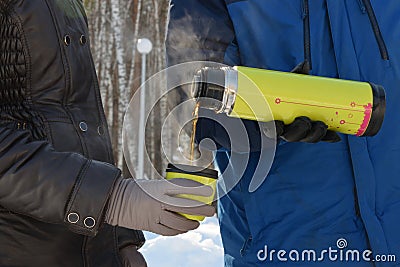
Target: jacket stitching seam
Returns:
[[116, 246], [78, 185], [67, 75], [98, 215]]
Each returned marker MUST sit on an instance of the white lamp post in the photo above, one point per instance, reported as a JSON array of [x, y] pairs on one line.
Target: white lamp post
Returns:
[[144, 46]]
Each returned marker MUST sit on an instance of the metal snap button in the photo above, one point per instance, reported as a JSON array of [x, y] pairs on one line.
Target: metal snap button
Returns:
[[82, 39], [83, 126], [100, 130], [89, 222], [67, 40], [73, 217]]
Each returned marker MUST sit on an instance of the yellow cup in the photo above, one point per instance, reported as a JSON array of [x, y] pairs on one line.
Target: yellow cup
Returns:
[[204, 176]]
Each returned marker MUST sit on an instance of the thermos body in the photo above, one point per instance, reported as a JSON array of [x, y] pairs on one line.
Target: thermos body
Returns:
[[349, 107]]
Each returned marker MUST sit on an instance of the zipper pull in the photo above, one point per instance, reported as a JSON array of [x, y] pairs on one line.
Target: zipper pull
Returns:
[[362, 6], [304, 9]]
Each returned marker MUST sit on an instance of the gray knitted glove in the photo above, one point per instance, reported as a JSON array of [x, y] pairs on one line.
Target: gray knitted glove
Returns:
[[152, 205]]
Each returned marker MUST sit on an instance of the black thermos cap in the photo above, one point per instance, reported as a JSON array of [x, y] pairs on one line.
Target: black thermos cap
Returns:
[[378, 110], [194, 170]]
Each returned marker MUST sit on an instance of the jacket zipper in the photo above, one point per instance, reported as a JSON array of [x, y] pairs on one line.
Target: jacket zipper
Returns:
[[362, 6], [306, 37], [366, 6]]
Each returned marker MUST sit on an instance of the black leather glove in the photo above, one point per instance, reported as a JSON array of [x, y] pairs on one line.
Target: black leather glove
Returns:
[[302, 129]]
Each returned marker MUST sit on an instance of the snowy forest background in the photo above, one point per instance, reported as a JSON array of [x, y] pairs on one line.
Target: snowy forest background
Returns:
[[115, 27]]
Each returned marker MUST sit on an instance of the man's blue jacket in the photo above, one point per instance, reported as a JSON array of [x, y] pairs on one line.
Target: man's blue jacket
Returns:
[[316, 196]]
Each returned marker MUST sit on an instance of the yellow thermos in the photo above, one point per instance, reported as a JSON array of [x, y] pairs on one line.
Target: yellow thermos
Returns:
[[349, 107]]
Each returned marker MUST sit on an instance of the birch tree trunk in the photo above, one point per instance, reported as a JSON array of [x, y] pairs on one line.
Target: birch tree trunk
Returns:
[[123, 94], [115, 27]]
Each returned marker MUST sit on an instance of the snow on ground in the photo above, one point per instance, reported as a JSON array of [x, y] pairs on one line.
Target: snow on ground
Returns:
[[198, 248]]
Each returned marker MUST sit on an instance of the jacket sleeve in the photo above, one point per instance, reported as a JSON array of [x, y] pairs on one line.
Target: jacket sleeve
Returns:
[[51, 186]]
